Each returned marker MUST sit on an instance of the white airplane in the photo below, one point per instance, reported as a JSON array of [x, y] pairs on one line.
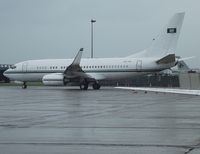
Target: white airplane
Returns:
[[164, 90], [160, 55]]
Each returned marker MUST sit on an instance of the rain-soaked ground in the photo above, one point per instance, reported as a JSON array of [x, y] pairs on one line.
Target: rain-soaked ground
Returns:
[[43, 120]]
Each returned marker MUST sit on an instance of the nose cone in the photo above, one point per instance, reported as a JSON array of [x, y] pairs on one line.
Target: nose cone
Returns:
[[6, 73]]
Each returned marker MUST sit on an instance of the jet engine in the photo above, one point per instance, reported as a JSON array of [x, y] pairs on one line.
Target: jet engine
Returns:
[[54, 79]]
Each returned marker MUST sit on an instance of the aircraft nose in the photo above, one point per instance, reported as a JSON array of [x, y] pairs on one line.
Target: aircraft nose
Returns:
[[6, 73]]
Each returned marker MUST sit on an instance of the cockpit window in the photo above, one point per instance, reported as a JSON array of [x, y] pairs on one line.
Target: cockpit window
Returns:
[[13, 67]]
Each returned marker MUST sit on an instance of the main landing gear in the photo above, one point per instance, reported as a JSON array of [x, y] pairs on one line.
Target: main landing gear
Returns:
[[84, 85], [24, 86], [96, 86]]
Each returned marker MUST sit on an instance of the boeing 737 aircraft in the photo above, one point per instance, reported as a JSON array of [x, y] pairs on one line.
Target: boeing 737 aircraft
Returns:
[[160, 55]]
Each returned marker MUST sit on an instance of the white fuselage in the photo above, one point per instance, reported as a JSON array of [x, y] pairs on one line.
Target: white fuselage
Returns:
[[98, 68]]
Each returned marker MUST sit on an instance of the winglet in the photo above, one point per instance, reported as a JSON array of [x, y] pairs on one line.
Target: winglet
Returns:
[[77, 59]]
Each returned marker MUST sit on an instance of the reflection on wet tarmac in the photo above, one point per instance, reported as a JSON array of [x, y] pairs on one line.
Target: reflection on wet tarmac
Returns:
[[67, 120]]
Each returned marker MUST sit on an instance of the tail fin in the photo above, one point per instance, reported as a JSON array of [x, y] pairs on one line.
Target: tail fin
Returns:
[[166, 41]]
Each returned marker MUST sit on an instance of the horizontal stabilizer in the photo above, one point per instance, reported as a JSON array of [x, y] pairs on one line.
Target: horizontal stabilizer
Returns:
[[167, 59]]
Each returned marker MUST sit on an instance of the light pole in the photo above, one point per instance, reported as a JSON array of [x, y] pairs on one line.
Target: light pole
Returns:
[[92, 21]]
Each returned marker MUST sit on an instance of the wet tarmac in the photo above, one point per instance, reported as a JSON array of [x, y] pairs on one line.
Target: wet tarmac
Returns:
[[41, 120]]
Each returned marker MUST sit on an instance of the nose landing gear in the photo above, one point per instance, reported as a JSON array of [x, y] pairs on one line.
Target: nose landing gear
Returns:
[[96, 86], [24, 86]]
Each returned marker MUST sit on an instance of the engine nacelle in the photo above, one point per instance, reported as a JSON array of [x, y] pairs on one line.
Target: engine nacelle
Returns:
[[54, 79]]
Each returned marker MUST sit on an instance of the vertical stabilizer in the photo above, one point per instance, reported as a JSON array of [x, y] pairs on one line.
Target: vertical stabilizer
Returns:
[[165, 43]]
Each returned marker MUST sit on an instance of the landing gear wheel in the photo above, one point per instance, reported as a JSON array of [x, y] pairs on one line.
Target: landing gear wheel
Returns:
[[84, 86], [24, 86], [96, 86]]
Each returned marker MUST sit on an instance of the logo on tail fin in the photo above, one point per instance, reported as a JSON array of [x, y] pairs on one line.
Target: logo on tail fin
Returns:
[[171, 30]]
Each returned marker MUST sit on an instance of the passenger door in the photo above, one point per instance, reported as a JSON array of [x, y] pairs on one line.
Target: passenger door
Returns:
[[24, 66], [139, 65]]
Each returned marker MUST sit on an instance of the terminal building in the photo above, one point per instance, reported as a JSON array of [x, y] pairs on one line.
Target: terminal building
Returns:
[[3, 68]]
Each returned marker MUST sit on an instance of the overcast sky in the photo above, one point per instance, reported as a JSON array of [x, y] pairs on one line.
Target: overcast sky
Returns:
[[37, 29]]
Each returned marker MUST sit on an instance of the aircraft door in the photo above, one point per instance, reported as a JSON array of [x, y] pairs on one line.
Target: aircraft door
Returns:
[[24, 67], [139, 65]]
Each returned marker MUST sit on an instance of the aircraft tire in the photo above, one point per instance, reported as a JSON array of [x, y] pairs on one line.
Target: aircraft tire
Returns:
[[96, 86], [84, 86]]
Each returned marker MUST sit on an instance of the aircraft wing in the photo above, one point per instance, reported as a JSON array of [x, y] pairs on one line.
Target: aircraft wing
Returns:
[[164, 90], [75, 71]]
